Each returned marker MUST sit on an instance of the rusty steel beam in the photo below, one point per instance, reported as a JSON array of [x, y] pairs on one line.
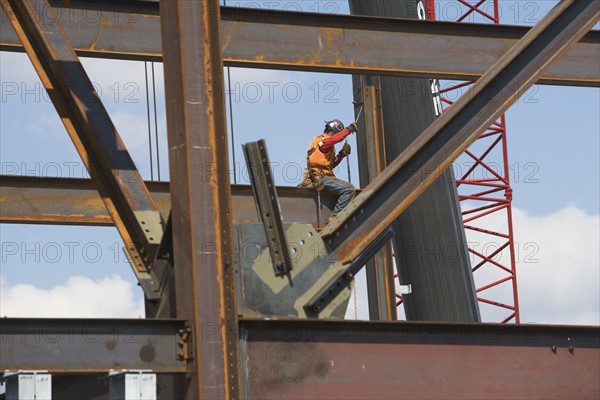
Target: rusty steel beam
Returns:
[[204, 264], [369, 214], [90, 345], [267, 203], [298, 358], [317, 42], [90, 127], [295, 359], [381, 290], [70, 201]]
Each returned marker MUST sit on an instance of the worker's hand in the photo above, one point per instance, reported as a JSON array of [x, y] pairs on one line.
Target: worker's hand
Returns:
[[346, 150], [353, 127]]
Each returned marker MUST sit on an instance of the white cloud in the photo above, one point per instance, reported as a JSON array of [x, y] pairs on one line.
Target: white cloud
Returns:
[[561, 284], [558, 273], [79, 297], [558, 268]]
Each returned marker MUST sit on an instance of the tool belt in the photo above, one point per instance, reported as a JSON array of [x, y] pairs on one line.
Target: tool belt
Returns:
[[312, 180], [313, 176]]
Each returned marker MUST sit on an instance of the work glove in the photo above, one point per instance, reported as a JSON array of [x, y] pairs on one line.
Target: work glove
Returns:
[[346, 149], [353, 127]]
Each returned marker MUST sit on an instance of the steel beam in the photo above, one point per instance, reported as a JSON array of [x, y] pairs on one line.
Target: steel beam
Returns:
[[298, 358], [90, 127], [267, 202], [442, 285], [201, 201], [371, 155], [294, 359], [69, 201], [90, 345], [380, 203], [317, 42]]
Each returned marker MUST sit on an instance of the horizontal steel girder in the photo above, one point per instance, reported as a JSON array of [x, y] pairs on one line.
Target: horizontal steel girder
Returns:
[[70, 201], [90, 345], [316, 42], [529, 361], [383, 360]]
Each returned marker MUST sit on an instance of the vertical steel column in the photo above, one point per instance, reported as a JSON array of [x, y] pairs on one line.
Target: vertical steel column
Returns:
[[441, 280], [200, 196], [371, 156]]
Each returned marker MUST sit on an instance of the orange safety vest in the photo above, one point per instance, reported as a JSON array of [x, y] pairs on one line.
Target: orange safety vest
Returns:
[[320, 163]]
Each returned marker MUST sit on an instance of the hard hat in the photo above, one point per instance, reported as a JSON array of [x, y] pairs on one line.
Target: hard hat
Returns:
[[334, 125]]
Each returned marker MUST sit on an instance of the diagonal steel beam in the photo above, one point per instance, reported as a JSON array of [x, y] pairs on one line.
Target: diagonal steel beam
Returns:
[[200, 195], [95, 137], [316, 42], [369, 214]]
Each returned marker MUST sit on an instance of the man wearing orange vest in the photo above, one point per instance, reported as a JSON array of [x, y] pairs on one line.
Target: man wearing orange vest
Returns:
[[322, 159]]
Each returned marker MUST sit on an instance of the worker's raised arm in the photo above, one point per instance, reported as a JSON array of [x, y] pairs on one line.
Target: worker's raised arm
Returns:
[[327, 143]]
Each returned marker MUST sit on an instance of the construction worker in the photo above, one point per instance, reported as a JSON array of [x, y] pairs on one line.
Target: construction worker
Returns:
[[321, 159]]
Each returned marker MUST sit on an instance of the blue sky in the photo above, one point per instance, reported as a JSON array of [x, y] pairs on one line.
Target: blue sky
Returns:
[[553, 153]]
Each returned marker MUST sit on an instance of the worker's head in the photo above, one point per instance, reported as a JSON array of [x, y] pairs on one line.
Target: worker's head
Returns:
[[335, 126]]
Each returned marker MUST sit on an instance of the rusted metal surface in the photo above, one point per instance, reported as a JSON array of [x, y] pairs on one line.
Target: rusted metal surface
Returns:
[[370, 213], [267, 203], [89, 126], [371, 156], [295, 359], [302, 359], [442, 286], [72, 201], [263, 294], [317, 42], [200, 196], [89, 345]]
